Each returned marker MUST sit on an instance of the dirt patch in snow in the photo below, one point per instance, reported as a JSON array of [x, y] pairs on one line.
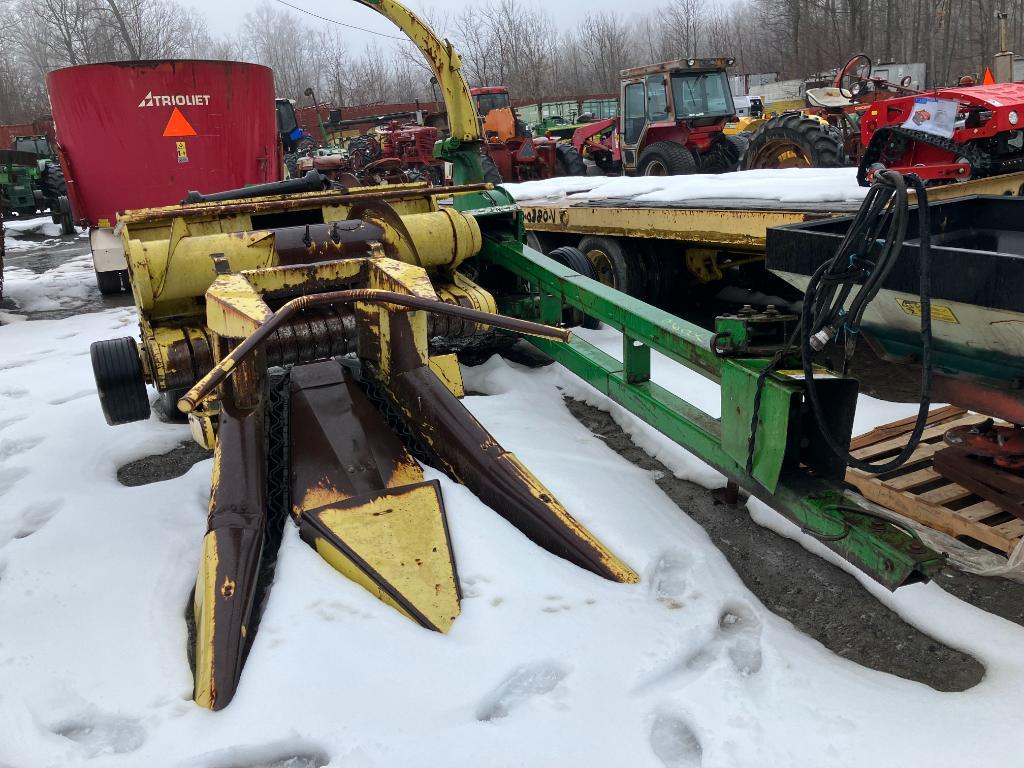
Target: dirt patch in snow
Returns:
[[818, 598]]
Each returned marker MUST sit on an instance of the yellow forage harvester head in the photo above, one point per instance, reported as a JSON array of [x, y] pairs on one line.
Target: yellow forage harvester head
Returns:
[[294, 333]]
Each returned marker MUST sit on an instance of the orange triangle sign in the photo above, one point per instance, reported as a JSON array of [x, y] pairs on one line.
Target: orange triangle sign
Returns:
[[178, 125], [988, 79]]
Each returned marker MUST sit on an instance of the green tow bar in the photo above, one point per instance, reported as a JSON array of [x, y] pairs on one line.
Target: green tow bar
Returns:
[[791, 470]]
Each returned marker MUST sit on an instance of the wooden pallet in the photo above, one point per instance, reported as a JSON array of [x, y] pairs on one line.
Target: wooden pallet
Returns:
[[917, 491]]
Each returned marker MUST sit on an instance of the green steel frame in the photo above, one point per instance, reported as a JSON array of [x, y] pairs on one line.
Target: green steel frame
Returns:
[[787, 472]]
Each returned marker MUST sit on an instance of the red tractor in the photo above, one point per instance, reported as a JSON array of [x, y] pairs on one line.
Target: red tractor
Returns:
[[947, 134], [511, 153], [406, 154], [827, 134], [671, 121], [394, 154]]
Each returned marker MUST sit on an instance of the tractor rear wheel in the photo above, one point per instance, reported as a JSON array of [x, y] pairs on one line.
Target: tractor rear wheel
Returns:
[[612, 267], [491, 173], [724, 155], [794, 140], [52, 184], [568, 161], [666, 158]]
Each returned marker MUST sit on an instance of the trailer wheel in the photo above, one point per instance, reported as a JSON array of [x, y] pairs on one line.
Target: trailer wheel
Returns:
[[491, 173], [573, 258], [535, 241], [113, 282], [666, 158], [568, 161], [724, 155], [612, 267], [119, 380], [794, 140]]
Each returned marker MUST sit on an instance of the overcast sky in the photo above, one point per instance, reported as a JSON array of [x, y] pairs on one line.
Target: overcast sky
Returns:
[[226, 15]]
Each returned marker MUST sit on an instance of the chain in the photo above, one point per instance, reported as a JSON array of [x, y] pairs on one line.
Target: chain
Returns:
[[889, 143]]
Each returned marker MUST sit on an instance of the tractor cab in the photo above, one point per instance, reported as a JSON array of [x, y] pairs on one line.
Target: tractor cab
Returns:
[[498, 119], [673, 115], [37, 145], [287, 124]]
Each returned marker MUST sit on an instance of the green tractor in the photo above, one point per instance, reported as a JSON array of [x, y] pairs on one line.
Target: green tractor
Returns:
[[34, 181], [17, 180]]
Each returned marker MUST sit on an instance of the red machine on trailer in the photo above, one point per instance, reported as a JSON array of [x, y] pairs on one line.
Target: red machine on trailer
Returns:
[[671, 121], [138, 134], [982, 134]]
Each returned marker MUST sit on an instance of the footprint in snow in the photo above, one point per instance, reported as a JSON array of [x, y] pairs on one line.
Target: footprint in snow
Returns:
[[669, 582], [103, 735], [5, 423], [13, 447], [13, 392], [737, 637], [522, 685], [73, 396], [35, 516], [276, 755], [674, 743], [10, 476], [741, 631]]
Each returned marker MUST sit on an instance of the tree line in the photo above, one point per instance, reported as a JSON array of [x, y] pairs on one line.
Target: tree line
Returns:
[[523, 45]]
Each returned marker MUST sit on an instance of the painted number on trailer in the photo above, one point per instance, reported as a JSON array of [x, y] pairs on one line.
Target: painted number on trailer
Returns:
[[939, 312], [182, 151]]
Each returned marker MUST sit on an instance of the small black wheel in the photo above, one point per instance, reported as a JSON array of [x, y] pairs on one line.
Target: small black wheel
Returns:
[[120, 381], [110, 283], [573, 258], [612, 266]]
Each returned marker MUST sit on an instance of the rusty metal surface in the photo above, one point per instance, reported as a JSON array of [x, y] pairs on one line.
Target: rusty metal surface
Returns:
[[232, 549], [369, 295], [316, 334], [361, 501], [325, 242], [289, 203], [339, 444]]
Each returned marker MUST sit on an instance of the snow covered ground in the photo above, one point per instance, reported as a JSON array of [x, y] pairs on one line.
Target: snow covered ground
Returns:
[[786, 185], [547, 665]]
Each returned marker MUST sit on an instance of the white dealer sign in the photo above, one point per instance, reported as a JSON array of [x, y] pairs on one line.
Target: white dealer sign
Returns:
[[177, 100]]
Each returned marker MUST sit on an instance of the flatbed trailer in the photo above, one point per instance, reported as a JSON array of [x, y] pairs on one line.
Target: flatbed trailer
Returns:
[[644, 248]]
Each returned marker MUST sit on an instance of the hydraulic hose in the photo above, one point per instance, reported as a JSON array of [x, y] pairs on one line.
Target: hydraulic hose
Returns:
[[866, 254]]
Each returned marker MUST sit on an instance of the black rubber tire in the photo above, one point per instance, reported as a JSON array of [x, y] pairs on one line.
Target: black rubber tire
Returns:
[[675, 159], [819, 145], [111, 283], [535, 241], [60, 213], [724, 155], [52, 184], [612, 267], [291, 160], [568, 161], [491, 173], [573, 258], [166, 407], [120, 382]]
